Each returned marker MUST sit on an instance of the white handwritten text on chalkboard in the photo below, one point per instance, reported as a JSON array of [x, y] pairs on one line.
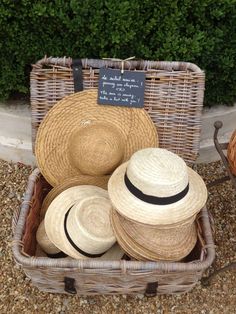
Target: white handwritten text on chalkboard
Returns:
[[121, 89]]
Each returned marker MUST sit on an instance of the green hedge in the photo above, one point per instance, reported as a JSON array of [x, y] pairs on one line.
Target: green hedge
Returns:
[[202, 32]]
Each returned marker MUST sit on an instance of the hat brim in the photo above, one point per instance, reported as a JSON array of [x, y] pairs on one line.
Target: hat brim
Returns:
[[171, 250], [70, 182], [55, 216], [73, 113], [135, 209], [113, 254]]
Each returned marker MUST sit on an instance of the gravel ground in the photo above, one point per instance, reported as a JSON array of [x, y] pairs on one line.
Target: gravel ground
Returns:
[[18, 295]]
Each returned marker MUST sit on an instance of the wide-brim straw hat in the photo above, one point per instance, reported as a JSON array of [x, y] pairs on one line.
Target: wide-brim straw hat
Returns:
[[78, 222], [156, 187], [153, 243], [70, 182], [78, 136]]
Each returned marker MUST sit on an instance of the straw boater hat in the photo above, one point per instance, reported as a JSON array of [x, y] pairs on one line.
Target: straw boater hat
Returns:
[[47, 249], [45, 244], [156, 187], [78, 223], [145, 242], [70, 182], [78, 136]]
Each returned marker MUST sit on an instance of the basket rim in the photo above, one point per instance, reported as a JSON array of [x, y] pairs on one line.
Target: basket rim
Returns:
[[128, 65], [123, 265]]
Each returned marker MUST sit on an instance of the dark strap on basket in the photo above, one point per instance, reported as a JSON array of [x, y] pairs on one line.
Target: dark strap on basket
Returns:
[[151, 289], [69, 285], [77, 74]]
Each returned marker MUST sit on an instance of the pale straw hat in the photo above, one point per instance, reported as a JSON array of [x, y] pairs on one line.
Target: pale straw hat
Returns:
[[45, 244], [146, 242], [156, 187], [46, 248], [78, 136], [70, 182], [78, 223]]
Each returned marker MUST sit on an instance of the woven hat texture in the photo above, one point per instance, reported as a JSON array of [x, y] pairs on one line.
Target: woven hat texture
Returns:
[[70, 182], [78, 222], [46, 245], [145, 242], [156, 187], [78, 136]]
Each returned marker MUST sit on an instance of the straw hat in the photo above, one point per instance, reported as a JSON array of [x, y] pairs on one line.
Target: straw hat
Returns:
[[156, 187], [47, 249], [78, 222], [78, 136], [153, 243], [45, 244], [70, 182]]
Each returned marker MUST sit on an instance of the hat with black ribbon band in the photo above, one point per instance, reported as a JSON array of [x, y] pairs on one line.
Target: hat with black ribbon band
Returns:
[[154, 199], [73, 243]]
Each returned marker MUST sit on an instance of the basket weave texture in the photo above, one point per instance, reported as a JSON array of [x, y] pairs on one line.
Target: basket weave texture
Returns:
[[173, 96], [102, 277], [231, 153]]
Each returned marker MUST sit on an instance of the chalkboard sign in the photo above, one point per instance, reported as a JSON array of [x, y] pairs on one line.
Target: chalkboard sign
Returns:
[[121, 89]]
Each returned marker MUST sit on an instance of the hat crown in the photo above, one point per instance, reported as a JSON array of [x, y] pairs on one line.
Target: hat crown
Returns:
[[92, 217], [96, 149], [157, 172]]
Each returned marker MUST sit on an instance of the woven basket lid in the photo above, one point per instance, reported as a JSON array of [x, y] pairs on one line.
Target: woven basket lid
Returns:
[[70, 182], [154, 243], [231, 153], [78, 136]]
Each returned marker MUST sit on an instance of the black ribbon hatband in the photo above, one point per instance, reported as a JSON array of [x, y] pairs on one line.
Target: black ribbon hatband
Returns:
[[154, 199], [60, 254], [73, 243]]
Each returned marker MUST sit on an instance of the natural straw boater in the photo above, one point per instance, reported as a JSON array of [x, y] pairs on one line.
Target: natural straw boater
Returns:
[[45, 244], [47, 248], [146, 242], [78, 222], [70, 182], [156, 187], [78, 136]]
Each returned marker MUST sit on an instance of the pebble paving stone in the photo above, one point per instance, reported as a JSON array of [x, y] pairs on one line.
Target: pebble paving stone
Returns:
[[17, 295]]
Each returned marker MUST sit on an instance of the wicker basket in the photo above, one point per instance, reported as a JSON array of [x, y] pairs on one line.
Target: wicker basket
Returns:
[[103, 277], [231, 153], [173, 96]]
